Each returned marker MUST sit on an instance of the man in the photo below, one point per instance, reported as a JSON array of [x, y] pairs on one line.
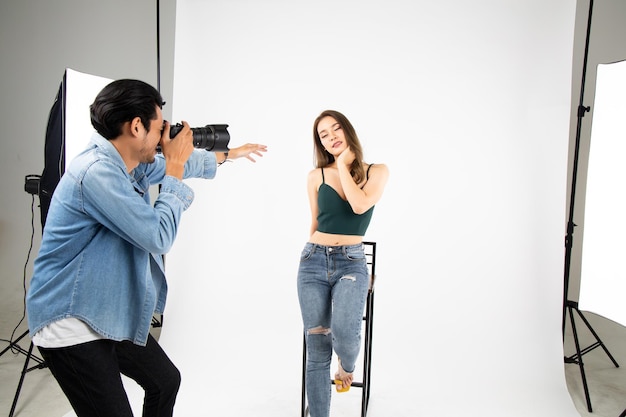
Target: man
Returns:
[[99, 275]]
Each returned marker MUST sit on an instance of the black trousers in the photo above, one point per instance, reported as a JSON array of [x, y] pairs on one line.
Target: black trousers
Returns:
[[90, 376]]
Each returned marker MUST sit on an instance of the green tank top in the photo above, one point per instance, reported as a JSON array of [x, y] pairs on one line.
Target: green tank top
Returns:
[[335, 215]]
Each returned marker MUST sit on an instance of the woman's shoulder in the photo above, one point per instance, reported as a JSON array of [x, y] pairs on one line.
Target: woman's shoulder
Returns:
[[315, 174], [377, 167]]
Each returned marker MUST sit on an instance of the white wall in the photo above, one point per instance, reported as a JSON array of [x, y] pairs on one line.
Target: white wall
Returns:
[[468, 104]]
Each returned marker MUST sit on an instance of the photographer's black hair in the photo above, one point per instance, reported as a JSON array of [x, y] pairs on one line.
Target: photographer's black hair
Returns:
[[120, 102]]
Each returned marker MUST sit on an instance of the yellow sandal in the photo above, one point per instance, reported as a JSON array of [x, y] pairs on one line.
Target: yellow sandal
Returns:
[[339, 386]]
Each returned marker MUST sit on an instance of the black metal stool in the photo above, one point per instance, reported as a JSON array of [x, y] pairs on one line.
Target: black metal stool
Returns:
[[368, 319]]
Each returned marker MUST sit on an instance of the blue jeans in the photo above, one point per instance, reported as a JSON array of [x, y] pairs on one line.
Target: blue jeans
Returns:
[[332, 288]]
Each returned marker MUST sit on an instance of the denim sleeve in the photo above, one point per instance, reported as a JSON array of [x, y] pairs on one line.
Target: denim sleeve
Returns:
[[201, 164], [106, 193]]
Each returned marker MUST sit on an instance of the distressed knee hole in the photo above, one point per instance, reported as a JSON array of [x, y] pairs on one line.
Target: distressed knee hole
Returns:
[[319, 330], [349, 277]]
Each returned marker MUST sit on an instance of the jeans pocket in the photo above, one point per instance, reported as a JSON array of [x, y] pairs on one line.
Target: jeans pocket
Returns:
[[355, 254], [306, 252]]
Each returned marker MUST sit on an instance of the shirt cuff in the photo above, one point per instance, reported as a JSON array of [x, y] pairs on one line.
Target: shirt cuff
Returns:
[[179, 189]]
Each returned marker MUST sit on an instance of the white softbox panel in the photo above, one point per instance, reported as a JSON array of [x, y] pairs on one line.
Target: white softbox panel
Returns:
[[603, 273]]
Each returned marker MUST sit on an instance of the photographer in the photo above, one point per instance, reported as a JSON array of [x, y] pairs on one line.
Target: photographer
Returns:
[[99, 276]]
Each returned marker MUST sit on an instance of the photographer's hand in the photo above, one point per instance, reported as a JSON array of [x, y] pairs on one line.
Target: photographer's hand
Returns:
[[177, 150], [247, 151]]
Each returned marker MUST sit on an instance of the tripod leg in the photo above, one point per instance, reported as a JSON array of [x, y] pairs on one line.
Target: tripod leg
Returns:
[[580, 314], [13, 345], [580, 359], [19, 385]]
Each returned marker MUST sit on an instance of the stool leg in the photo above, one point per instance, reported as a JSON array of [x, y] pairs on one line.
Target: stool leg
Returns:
[[367, 353], [303, 407]]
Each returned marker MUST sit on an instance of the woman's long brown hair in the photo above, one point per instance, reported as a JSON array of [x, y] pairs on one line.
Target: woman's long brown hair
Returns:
[[323, 158]]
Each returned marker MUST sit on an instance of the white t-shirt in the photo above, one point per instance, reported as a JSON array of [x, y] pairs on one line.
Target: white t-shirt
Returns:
[[65, 332]]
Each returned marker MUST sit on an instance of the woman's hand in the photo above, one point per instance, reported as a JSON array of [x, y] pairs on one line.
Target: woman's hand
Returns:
[[346, 157], [248, 151]]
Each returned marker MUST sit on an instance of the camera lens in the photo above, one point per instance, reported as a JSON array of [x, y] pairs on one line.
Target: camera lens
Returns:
[[213, 138]]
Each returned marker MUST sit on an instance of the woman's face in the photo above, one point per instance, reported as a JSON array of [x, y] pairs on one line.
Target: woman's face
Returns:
[[331, 135]]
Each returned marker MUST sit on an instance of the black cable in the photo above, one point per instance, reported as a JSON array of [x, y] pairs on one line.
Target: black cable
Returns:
[[30, 249]]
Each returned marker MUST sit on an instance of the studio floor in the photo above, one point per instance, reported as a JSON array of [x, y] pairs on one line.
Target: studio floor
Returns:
[[41, 396]]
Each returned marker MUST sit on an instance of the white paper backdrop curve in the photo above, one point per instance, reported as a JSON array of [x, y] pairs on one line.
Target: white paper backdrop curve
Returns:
[[468, 104]]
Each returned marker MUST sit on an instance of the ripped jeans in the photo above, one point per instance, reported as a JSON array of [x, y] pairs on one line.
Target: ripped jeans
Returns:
[[332, 288]]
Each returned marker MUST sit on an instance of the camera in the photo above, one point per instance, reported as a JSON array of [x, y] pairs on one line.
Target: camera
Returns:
[[213, 138]]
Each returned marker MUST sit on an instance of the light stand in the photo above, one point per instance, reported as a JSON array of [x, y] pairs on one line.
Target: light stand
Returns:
[[568, 305], [32, 186], [40, 364], [43, 186]]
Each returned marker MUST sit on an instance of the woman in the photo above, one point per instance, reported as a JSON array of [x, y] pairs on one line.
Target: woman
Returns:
[[333, 279]]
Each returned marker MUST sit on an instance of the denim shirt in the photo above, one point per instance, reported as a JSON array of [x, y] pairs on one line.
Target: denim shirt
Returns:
[[100, 258]]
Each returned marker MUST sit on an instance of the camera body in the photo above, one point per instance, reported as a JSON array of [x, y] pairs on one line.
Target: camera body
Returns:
[[213, 138]]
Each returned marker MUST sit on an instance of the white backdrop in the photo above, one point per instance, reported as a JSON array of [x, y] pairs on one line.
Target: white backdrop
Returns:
[[468, 104], [603, 275]]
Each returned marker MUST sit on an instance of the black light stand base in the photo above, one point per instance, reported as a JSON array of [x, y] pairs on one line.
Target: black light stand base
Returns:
[[13, 346], [577, 358], [39, 364]]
